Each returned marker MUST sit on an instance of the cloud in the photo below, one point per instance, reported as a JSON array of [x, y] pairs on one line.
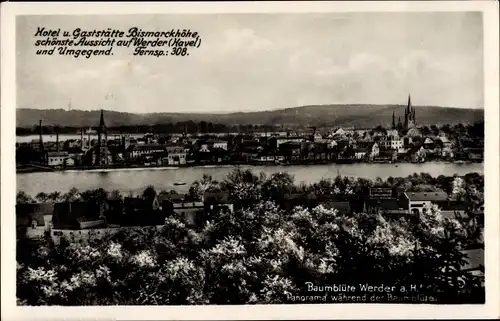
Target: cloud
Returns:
[[273, 61]]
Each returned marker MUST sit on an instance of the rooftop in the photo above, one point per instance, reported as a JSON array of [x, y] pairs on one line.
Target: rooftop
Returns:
[[427, 196]]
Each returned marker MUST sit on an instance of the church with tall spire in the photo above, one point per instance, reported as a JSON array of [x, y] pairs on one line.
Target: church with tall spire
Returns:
[[100, 152], [409, 115], [409, 118]]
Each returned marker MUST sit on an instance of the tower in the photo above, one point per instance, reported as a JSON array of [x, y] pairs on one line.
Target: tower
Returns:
[[100, 144], [393, 120], [41, 138], [409, 115]]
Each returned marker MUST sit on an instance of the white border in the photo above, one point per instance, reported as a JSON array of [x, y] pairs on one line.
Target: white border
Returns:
[[8, 102]]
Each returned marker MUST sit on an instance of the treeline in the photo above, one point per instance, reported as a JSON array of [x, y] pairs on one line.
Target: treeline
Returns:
[[246, 185], [455, 131], [189, 127], [359, 116]]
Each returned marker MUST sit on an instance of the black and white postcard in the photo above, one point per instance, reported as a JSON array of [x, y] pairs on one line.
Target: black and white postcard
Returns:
[[250, 160]]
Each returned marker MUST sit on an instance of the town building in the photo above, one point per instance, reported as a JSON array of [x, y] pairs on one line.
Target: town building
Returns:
[[419, 201], [217, 201], [137, 150], [61, 158], [288, 139], [392, 141], [33, 220], [188, 211]]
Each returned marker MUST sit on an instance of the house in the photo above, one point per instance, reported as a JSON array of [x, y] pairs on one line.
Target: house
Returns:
[[188, 211], [290, 150], [445, 141], [452, 209], [391, 142], [418, 201], [416, 153], [249, 149], [317, 137], [288, 139], [176, 155], [360, 153], [218, 201], [389, 205], [266, 156], [77, 215], [142, 212], [342, 206], [292, 200], [369, 149], [33, 220], [56, 158], [445, 146], [219, 144], [137, 150], [428, 143], [218, 155]]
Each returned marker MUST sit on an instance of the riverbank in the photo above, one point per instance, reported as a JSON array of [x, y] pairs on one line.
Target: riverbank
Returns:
[[26, 169]]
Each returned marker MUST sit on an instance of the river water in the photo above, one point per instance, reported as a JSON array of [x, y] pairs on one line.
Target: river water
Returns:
[[135, 180]]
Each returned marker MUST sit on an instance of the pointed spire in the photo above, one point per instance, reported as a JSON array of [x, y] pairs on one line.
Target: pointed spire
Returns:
[[101, 123], [409, 103], [393, 120]]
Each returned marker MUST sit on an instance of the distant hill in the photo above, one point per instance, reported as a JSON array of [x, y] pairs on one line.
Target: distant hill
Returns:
[[322, 115]]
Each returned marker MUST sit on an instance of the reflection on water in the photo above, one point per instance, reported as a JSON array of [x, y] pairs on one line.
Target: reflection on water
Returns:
[[135, 180]]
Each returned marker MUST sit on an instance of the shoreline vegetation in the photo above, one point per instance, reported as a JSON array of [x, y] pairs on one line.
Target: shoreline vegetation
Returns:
[[36, 168], [264, 253], [341, 185]]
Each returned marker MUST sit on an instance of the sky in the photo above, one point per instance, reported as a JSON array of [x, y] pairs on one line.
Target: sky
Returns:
[[254, 62]]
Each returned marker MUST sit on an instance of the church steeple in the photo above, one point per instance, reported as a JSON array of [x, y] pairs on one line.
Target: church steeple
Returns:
[[409, 114], [393, 120], [101, 123]]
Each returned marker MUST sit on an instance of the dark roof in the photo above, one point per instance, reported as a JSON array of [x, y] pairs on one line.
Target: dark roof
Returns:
[[389, 204], [338, 205], [171, 197], [221, 197], [290, 145], [452, 205], [34, 208], [427, 196], [452, 214], [146, 147], [26, 220], [136, 203], [384, 204], [68, 213], [299, 196], [74, 150]]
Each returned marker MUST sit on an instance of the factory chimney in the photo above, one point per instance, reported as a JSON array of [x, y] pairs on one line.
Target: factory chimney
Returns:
[[81, 139], [41, 140], [57, 139]]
